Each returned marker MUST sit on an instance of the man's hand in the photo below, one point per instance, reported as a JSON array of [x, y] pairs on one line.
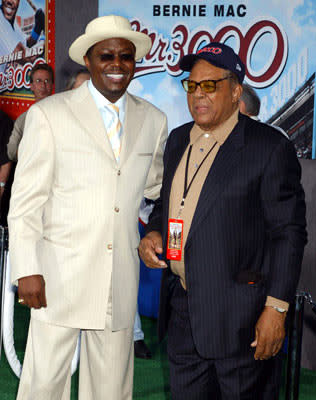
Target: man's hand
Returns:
[[270, 333], [32, 290], [149, 247]]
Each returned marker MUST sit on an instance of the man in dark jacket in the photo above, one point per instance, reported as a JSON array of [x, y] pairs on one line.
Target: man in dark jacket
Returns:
[[231, 190]]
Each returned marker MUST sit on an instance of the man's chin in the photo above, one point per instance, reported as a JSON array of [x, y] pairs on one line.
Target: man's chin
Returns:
[[38, 98], [114, 94]]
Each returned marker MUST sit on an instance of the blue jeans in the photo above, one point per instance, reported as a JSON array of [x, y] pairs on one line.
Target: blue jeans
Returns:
[[138, 333]]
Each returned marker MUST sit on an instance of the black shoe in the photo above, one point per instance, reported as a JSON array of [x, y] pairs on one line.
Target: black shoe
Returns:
[[141, 350]]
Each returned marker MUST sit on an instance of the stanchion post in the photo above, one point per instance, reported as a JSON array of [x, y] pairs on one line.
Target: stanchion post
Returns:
[[2, 266], [294, 348]]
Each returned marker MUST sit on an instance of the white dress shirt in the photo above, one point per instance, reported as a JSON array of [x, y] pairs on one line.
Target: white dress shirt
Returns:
[[102, 103]]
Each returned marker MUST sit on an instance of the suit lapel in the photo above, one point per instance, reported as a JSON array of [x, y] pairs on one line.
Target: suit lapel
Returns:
[[219, 174], [86, 111], [132, 126]]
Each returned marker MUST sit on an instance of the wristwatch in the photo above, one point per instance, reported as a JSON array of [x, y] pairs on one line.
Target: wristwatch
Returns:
[[2, 184], [279, 309]]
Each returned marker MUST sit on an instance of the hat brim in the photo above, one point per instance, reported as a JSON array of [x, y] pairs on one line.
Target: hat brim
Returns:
[[82, 44]]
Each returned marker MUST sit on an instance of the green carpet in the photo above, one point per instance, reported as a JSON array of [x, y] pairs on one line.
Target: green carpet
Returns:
[[151, 376]]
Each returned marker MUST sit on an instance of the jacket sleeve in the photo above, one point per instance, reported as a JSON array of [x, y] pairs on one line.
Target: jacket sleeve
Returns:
[[30, 191], [284, 212], [156, 217], [16, 137], [154, 178], [6, 128]]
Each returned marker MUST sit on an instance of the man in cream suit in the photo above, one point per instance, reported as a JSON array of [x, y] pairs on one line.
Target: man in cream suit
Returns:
[[74, 214]]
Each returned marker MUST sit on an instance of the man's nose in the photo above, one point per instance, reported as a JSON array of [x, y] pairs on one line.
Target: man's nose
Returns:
[[198, 92], [118, 61]]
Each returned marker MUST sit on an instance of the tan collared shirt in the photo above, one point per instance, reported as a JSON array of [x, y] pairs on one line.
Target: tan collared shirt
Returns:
[[201, 141]]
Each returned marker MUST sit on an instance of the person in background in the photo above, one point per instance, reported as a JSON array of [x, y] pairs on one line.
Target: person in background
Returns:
[[5, 164], [249, 104], [77, 78], [141, 349], [41, 85], [87, 158], [232, 191]]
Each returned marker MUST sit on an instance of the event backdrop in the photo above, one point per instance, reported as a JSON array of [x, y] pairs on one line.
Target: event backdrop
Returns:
[[275, 39], [18, 54]]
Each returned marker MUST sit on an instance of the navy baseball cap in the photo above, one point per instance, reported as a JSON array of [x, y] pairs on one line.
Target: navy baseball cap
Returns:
[[218, 54]]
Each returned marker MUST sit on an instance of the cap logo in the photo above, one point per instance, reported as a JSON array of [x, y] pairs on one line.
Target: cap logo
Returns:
[[213, 50]]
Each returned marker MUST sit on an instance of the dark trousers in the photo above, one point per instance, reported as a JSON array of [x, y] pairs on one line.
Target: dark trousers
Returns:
[[193, 377]]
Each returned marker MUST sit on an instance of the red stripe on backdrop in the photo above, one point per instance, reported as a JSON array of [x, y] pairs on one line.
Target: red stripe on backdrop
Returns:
[[15, 95]]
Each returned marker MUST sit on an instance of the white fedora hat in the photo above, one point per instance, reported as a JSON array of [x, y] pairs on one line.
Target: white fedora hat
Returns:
[[107, 27]]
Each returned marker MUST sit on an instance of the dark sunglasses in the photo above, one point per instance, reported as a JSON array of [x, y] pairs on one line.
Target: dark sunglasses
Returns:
[[207, 86]]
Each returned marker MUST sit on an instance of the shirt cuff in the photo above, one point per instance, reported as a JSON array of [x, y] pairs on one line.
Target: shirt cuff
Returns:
[[273, 302]]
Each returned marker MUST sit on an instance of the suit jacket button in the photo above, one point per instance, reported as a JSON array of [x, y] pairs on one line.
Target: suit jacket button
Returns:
[[109, 246], [118, 172], [116, 209]]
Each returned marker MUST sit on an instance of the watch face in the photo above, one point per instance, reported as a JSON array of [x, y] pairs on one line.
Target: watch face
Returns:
[[281, 310]]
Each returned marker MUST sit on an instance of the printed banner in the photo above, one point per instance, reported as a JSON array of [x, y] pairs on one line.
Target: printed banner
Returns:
[[27, 38], [275, 40]]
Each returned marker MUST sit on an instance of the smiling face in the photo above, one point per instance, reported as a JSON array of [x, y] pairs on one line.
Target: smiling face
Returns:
[[9, 8], [209, 110], [111, 64]]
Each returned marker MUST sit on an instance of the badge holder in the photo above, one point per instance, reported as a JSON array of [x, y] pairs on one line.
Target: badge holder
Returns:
[[175, 239]]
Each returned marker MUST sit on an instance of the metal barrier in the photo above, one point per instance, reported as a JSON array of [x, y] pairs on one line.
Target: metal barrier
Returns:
[[3, 248], [295, 337], [7, 297], [7, 306]]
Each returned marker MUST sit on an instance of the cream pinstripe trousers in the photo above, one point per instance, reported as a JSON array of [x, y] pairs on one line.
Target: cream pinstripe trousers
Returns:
[[106, 363]]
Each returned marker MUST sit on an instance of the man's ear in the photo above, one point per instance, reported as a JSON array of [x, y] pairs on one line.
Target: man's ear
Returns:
[[237, 91], [87, 62]]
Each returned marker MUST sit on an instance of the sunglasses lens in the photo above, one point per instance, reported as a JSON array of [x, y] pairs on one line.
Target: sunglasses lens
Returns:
[[208, 86], [189, 86]]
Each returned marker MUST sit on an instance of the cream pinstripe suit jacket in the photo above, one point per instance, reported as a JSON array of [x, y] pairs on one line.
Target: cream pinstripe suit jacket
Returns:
[[62, 219]]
